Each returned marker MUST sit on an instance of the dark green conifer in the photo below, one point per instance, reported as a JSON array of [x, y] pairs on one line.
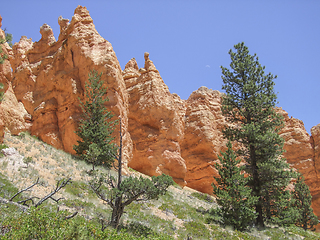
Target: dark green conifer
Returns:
[[96, 127], [249, 104], [232, 192], [306, 218]]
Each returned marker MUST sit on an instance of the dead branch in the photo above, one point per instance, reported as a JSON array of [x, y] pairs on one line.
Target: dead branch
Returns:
[[23, 190], [24, 202], [71, 216], [6, 201], [60, 184], [57, 200]]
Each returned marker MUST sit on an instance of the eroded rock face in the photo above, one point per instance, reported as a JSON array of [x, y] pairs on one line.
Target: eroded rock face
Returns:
[[155, 122], [298, 146], [50, 76], [203, 138], [314, 184], [13, 115], [162, 133]]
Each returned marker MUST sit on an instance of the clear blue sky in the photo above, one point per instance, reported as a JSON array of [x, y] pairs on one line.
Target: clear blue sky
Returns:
[[189, 40]]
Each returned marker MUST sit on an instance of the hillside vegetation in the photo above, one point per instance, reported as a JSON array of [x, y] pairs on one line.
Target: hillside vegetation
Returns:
[[180, 214]]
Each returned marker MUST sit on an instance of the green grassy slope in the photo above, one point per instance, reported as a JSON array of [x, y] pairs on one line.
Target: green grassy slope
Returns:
[[180, 214]]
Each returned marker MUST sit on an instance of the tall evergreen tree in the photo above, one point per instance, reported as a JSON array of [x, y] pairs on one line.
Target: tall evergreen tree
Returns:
[[96, 127], [232, 192], [249, 104], [306, 218]]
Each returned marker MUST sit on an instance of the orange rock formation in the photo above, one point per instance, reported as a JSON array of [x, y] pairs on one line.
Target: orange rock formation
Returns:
[[13, 115], [155, 123], [50, 75], [162, 133]]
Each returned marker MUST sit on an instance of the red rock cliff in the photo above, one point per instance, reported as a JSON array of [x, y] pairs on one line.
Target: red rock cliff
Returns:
[[13, 116], [50, 75], [162, 133]]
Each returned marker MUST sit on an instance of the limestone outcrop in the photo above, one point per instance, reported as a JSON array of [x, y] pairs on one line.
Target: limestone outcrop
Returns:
[[162, 133]]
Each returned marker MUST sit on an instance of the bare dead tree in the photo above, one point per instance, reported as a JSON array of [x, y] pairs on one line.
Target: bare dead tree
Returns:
[[22, 204]]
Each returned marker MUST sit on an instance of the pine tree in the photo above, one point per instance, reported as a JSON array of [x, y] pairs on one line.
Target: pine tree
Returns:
[[249, 104], [306, 218], [232, 192], [277, 202], [95, 127]]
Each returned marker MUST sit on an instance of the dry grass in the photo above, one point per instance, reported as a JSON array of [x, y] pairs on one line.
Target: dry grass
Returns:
[[180, 213]]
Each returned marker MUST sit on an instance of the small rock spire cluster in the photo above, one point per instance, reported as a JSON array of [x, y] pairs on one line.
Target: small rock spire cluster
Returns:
[[162, 133]]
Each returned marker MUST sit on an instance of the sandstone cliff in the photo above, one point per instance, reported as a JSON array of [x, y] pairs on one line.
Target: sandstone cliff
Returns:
[[155, 122], [13, 116], [50, 75], [162, 133]]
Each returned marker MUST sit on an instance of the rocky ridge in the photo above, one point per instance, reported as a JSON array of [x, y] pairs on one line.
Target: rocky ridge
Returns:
[[162, 133]]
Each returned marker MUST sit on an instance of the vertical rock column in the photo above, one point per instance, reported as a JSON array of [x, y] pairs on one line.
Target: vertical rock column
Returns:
[[155, 122]]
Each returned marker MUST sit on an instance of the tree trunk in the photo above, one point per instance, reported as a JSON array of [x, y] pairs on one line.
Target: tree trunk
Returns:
[[259, 220], [256, 186], [117, 213], [118, 206]]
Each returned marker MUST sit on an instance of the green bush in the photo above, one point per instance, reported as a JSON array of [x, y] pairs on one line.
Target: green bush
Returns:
[[79, 188], [7, 189], [203, 197], [77, 204], [197, 230], [42, 223], [139, 229]]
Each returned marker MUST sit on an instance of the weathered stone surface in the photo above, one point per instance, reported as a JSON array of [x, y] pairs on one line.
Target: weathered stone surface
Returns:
[[50, 76], [301, 153], [13, 115], [155, 122], [298, 146], [203, 138], [162, 133], [314, 184], [315, 134], [5, 68]]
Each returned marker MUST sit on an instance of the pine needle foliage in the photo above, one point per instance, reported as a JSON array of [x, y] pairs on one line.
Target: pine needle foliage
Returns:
[[306, 218], [232, 192], [249, 104], [96, 127]]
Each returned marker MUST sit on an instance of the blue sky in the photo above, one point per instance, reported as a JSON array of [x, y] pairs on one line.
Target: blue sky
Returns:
[[188, 40]]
